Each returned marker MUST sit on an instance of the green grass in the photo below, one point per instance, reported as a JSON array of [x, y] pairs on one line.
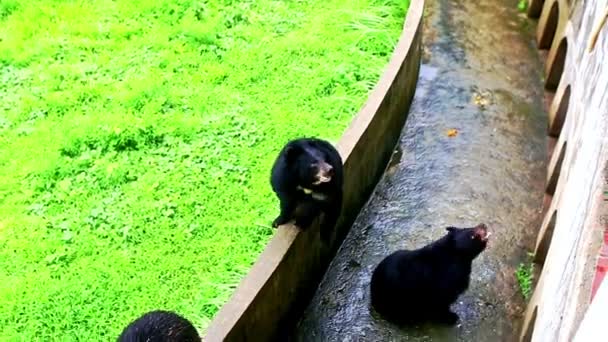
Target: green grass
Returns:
[[522, 5], [525, 278], [136, 139]]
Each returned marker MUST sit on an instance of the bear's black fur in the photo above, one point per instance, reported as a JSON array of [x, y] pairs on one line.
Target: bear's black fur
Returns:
[[410, 287], [307, 177], [160, 326]]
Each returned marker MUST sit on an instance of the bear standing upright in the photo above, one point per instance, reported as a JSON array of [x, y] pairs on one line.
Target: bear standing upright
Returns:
[[307, 178], [160, 326], [414, 286]]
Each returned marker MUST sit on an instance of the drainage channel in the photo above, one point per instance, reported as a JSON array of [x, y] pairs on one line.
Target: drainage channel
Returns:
[[473, 150]]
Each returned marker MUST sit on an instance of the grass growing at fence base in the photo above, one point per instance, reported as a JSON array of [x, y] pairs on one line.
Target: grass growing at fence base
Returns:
[[525, 278], [136, 139], [522, 5]]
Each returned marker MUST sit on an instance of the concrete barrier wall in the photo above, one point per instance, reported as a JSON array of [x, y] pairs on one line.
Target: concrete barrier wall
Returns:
[[575, 34], [270, 299]]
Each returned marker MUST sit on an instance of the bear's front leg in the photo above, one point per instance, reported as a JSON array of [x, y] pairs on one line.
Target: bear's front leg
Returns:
[[288, 205], [332, 212], [305, 214]]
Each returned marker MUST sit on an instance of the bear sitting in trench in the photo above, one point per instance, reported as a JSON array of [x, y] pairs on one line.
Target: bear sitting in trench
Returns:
[[307, 178], [160, 326], [410, 287]]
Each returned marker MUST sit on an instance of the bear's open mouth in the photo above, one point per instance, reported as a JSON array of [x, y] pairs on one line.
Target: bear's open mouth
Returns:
[[482, 233], [324, 174], [485, 236], [323, 179]]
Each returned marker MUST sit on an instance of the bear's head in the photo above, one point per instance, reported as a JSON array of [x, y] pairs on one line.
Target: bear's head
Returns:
[[309, 164], [469, 242], [160, 325]]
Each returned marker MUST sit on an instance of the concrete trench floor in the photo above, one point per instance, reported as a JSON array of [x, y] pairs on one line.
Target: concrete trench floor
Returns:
[[481, 75]]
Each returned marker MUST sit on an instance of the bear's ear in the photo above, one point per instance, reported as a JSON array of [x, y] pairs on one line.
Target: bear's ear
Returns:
[[451, 229], [291, 152]]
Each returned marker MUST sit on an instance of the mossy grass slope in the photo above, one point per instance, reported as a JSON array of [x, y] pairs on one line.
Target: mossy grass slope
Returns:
[[136, 139]]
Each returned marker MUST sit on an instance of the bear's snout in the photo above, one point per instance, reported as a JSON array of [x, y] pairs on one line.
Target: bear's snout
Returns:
[[481, 232], [325, 173]]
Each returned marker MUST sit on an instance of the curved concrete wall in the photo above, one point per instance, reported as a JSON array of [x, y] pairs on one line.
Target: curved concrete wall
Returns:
[[576, 201], [270, 299]]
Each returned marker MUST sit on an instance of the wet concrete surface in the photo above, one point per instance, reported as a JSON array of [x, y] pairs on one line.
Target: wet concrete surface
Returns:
[[481, 76]]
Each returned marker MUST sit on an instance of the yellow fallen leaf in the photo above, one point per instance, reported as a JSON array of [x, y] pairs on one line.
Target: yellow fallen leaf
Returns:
[[452, 132], [482, 99]]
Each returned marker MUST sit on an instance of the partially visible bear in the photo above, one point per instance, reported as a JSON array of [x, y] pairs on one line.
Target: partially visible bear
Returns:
[[410, 287], [307, 177], [160, 326]]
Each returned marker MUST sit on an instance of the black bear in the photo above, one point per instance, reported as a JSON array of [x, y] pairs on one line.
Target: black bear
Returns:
[[307, 177], [410, 287], [160, 326]]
